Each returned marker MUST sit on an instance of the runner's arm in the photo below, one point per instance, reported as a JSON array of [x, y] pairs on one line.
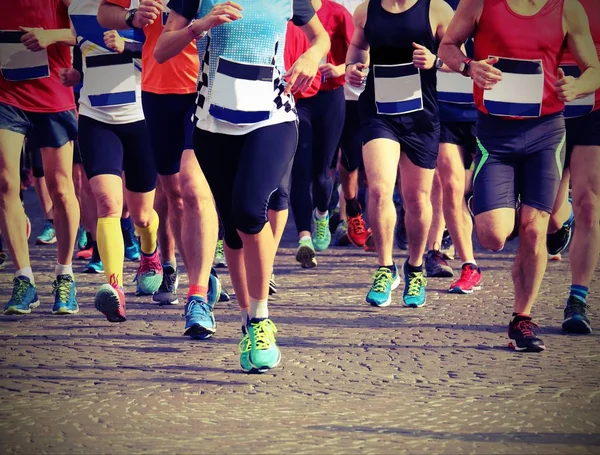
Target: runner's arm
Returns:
[[358, 50], [443, 14], [112, 13], [461, 28]]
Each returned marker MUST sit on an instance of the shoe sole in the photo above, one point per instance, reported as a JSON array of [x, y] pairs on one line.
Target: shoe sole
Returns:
[[306, 257], [457, 290], [107, 303], [264, 369], [555, 257], [220, 265], [388, 302], [14, 310], [43, 242], [92, 270], [441, 274], [64, 311], [574, 326], [165, 299], [224, 297], [199, 332], [511, 345], [83, 258]]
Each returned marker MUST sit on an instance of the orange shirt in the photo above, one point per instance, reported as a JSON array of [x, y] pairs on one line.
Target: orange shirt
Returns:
[[177, 75]]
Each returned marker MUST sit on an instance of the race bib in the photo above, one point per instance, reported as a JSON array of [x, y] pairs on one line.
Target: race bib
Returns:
[[581, 106], [397, 89], [242, 93], [454, 88], [110, 80], [19, 64], [521, 90]]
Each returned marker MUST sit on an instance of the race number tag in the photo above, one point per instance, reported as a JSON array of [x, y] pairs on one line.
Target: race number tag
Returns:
[[397, 89], [581, 106], [454, 88], [17, 63], [109, 80]]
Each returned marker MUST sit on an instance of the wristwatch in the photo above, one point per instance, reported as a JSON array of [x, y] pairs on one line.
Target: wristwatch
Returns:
[[464, 67], [438, 62], [129, 17]]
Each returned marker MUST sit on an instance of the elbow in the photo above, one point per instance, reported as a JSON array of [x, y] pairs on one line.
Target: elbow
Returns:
[[102, 16], [443, 51], [160, 55]]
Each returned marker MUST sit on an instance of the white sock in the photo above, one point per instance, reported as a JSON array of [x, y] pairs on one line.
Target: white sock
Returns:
[[28, 272], [244, 316], [258, 308], [320, 216], [306, 237], [60, 269], [473, 262]]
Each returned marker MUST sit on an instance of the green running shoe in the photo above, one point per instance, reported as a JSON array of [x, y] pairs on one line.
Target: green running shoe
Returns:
[[384, 282], [24, 297], [305, 254], [264, 353], [414, 288], [65, 295], [244, 348], [321, 235]]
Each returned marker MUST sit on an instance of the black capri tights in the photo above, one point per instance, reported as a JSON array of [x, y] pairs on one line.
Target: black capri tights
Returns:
[[244, 172]]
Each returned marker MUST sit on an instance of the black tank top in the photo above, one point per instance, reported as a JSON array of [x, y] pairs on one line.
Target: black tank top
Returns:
[[390, 37]]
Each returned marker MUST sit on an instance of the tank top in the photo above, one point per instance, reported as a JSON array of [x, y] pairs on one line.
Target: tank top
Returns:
[[395, 88], [529, 48], [591, 102], [337, 21]]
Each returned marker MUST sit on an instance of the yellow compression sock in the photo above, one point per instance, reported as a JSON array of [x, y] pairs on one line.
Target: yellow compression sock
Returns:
[[148, 235], [111, 248]]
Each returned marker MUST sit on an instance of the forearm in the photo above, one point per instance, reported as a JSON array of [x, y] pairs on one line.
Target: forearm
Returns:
[[452, 56], [357, 55], [319, 47], [171, 43], [63, 36], [112, 16], [589, 81]]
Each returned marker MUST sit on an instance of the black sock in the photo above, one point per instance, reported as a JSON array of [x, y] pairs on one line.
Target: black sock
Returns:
[[520, 317], [391, 267], [88, 242], [353, 207], [412, 269], [50, 220]]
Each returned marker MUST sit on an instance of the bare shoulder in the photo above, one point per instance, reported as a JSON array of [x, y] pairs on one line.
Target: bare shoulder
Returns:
[[574, 16], [360, 14]]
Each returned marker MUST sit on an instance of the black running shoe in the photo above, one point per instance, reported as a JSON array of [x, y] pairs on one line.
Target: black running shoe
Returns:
[[576, 321], [400, 234], [521, 330], [559, 241], [167, 292], [272, 285], [436, 265]]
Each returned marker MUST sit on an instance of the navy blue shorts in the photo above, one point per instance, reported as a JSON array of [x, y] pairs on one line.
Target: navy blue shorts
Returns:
[[170, 124], [518, 159], [51, 129], [583, 130], [462, 134]]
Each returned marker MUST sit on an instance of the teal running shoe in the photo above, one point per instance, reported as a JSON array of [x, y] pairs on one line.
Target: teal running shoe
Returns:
[[200, 321], [81, 238], [214, 288], [24, 297], [264, 353], [384, 282], [95, 264], [149, 275], [48, 235], [321, 235], [65, 295], [132, 245], [305, 254], [244, 348], [414, 288]]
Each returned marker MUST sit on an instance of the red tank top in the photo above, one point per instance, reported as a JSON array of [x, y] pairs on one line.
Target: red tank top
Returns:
[[503, 33], [46, 94], [592, 9]]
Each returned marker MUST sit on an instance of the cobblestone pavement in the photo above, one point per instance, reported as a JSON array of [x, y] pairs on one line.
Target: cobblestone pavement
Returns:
[[353, 379]]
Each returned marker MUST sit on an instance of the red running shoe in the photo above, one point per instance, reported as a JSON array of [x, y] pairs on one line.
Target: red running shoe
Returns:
[[110, 301], [357, 230], [86, 255], [469, 281]]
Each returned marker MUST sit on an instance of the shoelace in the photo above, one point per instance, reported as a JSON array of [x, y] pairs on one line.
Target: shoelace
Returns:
[[149, 265], [357, 224], [322, 229], [527, 327], [19, 289], [381, 279], [467, 273], [220, 250], [62, 289], [169, 280], [415, 282], [576, 306], [264, 334], [438, 257], [197, 310], [244, 345]]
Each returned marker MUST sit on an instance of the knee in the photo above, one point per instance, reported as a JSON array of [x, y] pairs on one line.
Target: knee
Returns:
[[417, 203], [491, 240], [108, 205], [533, 230], [587, 210], [194, 198], [60, 188], [379, 193], [249, 220], [9, 185], [453, 190]]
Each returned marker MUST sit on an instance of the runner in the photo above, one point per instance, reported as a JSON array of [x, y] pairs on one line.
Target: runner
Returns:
[[34, 42], [246, 139], [520, 94], [114, 139], [398, 113]]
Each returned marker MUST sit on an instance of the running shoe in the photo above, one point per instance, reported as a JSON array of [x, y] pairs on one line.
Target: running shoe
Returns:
[[85, 255], [576, 320], [559, 241], [48, 235], [110, 301], [149, 275], [555, 257], [264, 353], [224, 297], [384, 282], [132, 245], [81, 238], [24, 297], [400, 232], [214, 288], [321, 236], [470, 206], [200, 321], [414, 288], [65, 295], [334, 219], [305, 254], [521, 330], [220, 262], [95, 264], [370, 243], [167, 292], [272, 285], [340, 236], [3, 259], [436, 265], [27, 227], [244, 348], [357, 230], [447, 247], [469, 281]]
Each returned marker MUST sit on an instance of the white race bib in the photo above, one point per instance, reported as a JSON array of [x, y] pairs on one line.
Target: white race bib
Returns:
[[397, 89], [581, 106], [521, 90], [454, 88], [19, 64], [109, 80], [242, 93]]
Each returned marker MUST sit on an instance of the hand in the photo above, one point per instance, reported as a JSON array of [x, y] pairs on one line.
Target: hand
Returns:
[[69, 77], [300, 76], [114, 41], [222, 13], [566, 87], [329, 70], [147, 13], [484, 74], [423, 58], [36, 39], [355, 75]]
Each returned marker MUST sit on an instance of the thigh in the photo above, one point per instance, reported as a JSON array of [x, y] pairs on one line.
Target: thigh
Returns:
[[415, 181], [101, 149], [11, 146], [139, 167], [450, 162], [53, 130], [381, 158]]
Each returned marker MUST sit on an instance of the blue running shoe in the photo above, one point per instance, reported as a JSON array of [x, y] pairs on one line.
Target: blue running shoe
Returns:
[[24, 297], [384, 282], [81, 238], [576, 320], [321, 235], [149, 275], [214, 288], [48, 235], [414, 288], [65, 295], [244, 348], [132, 245], [200, 321], [264, 353], [95, 264]]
